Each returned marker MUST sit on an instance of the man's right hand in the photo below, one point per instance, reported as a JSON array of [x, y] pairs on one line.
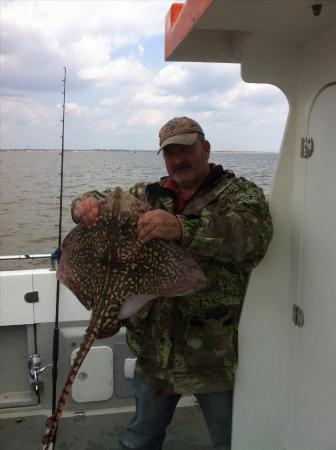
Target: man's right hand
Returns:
[[87, 212]]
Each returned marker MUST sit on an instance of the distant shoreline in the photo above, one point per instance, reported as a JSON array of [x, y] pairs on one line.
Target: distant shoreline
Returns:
[[119, 150]]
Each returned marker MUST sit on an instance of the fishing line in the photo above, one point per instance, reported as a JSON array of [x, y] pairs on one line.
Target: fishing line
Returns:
[[56, 329]]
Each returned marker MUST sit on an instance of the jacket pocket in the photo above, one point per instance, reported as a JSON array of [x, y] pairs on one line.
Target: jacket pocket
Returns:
[[210, 344]]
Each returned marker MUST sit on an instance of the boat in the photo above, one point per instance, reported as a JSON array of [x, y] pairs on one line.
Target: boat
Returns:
[[285, 395]]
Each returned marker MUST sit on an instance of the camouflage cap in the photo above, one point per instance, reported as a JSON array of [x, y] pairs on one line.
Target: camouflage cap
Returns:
[[180, 130]]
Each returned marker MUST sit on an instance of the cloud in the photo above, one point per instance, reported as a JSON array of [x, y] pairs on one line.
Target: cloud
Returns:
[[196, 78], [26, 114], [89, 51], [149, 98], [120, 71], [28, 123], [40, 37], [75, 110], [116, 96]]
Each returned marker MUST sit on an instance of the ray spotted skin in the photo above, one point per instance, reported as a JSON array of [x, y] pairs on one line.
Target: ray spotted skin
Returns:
[[106, 267]]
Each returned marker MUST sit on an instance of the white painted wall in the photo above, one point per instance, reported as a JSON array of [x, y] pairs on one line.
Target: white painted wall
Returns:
[[285, 395], [14, 310]]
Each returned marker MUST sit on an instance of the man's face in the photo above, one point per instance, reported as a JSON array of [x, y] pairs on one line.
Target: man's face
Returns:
[[187, 165]]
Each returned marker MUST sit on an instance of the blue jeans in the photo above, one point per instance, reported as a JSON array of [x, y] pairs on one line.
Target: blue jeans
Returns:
[[147, 429]]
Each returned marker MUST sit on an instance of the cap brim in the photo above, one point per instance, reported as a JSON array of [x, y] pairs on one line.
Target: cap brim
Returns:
[[181, 139]]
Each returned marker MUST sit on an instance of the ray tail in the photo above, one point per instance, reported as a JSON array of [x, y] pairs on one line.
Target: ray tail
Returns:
[[52, 421]]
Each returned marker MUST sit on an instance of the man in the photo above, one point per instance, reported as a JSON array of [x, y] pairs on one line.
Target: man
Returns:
[[189, 345]]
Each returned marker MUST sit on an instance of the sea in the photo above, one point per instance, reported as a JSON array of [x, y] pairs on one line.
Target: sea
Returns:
[[30, 189]]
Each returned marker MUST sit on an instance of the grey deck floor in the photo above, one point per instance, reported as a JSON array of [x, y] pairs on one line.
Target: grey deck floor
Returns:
[[187, 432]]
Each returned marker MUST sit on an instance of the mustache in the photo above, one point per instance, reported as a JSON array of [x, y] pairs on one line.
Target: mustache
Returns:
[[181, 166]]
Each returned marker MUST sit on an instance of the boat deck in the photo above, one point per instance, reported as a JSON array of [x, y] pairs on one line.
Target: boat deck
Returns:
[[186, 432]]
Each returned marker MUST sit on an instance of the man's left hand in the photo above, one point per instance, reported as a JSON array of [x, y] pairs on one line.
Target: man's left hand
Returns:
[[159, 223]]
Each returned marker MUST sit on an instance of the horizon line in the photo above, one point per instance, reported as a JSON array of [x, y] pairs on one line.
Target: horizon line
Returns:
[[122, 150]]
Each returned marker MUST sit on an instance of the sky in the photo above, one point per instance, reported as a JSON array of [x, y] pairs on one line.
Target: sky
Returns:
[[119, 89]]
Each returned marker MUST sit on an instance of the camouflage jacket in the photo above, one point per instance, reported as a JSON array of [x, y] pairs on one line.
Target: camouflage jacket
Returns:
[[190, 344]]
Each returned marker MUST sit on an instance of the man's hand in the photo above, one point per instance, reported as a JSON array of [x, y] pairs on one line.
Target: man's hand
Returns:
[[159, 223], [87, 211]]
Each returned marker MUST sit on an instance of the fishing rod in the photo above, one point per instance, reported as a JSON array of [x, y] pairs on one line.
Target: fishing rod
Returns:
[[56, 329]]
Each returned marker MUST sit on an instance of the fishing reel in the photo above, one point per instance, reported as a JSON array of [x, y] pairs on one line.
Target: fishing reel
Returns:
[[35, 369]]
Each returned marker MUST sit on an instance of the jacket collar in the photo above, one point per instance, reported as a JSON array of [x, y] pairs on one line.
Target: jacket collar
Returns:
[[217, 174]]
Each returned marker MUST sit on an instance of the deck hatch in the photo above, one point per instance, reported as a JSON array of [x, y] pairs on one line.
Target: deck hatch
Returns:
[[94, 381]]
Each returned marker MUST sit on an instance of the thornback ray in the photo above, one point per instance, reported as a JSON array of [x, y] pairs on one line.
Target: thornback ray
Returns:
[[114, 275]]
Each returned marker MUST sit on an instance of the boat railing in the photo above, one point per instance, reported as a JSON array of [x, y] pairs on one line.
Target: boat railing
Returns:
[[26, 256], [52, 257]]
